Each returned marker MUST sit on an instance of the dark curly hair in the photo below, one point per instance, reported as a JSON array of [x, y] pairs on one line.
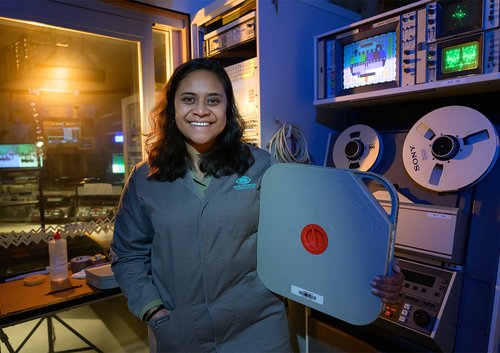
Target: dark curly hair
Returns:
[[168, 157]]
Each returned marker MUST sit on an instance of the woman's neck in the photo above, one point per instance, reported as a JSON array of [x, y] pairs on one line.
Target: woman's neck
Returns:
[[195, 158]]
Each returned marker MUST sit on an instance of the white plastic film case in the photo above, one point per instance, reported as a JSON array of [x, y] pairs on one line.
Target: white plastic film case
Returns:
[[323, 237]]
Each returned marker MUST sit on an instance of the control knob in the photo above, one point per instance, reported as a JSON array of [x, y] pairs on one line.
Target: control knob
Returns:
[[421, 318]]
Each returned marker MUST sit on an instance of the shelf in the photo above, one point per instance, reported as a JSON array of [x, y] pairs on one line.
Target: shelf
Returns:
[[237, 54], [456, 86]]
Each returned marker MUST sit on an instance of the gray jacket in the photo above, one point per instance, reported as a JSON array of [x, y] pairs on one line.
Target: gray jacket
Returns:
[[198, 256]]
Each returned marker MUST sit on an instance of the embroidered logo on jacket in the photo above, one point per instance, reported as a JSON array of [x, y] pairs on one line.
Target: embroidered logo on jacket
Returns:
[[243, 183]]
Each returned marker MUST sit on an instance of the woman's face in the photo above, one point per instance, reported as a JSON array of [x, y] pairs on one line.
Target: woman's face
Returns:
[[200, 109]]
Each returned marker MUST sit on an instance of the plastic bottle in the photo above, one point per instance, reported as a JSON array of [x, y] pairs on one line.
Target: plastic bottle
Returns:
[[58, 258]]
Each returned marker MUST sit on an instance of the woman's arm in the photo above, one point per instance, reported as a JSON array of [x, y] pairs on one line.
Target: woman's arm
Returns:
[[131, 250]]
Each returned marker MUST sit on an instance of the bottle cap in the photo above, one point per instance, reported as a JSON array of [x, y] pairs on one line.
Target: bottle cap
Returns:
[[57, 235]]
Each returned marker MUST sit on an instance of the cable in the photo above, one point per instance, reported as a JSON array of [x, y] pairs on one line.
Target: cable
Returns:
[[288, 144]]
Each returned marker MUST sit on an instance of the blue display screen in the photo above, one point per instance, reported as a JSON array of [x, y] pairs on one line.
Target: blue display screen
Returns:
[[370, 61]]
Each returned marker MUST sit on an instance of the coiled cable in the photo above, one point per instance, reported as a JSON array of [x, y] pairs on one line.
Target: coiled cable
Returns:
[[288, 144]]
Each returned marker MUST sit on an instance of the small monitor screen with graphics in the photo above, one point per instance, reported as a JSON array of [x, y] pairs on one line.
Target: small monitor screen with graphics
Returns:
[[18, 156], [370, 61], [456, 17], [460, 57]]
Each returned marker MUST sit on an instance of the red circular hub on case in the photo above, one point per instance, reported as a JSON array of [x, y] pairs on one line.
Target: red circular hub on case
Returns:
[[314, 239]]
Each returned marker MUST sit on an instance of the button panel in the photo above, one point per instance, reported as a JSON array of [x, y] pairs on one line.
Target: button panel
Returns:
[[421, 298]]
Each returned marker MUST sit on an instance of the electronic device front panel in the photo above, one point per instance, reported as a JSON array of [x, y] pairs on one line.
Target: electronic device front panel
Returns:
[[427, 309], [426, 46]]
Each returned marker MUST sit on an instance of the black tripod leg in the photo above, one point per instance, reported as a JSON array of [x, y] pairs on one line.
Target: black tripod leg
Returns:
[[5, 340]]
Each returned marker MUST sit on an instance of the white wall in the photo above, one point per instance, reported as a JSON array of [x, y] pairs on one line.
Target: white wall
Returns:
[[286, 64]]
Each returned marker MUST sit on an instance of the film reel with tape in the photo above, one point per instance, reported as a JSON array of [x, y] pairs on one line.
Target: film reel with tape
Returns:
[[358, 147], [450, 148]]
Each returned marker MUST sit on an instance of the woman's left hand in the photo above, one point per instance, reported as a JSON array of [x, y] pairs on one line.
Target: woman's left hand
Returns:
[[388, 287]]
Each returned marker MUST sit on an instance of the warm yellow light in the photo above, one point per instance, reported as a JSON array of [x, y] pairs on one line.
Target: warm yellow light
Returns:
[[60, 73]]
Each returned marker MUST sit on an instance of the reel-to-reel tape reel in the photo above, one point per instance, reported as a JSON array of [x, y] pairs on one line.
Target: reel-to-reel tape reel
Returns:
[[359, 147], [450, 148]]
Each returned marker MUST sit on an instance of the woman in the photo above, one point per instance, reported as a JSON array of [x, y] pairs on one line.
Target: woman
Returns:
[[184, 245]]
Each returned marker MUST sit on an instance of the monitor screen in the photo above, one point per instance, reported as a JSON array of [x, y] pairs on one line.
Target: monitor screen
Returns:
[[118, 165], [62, 133], [459, 58], [72, 166], [459, 16], [118, 137], [370, 61], [18, 156]]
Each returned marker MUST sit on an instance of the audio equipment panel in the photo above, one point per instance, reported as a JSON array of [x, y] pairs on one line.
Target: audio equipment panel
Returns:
[[430, 233], [245, 79], [226, 37], [427, 47], [428, 304]]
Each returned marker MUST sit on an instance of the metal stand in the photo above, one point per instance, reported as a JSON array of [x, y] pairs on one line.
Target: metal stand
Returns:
[[5, 339], [51, 337]]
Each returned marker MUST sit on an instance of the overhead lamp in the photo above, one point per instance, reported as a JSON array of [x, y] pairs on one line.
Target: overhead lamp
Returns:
[[68, 62]]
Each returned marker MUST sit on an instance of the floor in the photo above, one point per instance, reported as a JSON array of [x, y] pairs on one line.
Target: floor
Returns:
[[106, 324]]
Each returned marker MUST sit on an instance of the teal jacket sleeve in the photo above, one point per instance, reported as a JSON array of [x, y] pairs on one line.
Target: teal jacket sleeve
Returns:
[[131, 249]]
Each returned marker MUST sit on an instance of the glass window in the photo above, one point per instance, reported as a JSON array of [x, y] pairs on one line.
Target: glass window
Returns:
[[77, 82], [70, 131]]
